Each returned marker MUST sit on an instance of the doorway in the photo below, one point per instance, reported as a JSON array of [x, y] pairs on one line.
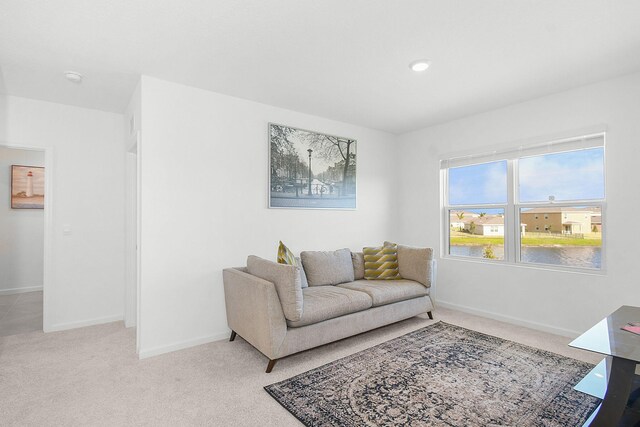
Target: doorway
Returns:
[[132, 210], [22, 239]]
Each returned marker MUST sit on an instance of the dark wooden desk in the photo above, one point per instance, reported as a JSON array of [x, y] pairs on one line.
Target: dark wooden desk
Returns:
[[614, 379]]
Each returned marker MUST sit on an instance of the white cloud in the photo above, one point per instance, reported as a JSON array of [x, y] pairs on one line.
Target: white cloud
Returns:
[[561, 177]]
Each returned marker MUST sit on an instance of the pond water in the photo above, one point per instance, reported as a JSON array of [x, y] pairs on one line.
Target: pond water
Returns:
[[573, 256]]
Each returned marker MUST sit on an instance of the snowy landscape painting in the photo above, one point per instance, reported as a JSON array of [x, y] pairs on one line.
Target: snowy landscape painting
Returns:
[[27, 187], [311, 170]]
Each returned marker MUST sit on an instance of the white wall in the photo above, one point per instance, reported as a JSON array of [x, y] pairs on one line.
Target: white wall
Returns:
[[86, 279], [204, 205], [21, 230], [563, 302]]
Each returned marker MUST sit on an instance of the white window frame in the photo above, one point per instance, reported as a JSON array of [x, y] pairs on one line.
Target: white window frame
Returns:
[[512, 229]]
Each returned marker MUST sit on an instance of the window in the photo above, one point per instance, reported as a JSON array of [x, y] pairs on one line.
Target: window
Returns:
[[474, 237], [494, 204], [477, 197]]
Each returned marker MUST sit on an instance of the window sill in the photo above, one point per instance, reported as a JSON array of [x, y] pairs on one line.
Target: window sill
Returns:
[[528, 266]]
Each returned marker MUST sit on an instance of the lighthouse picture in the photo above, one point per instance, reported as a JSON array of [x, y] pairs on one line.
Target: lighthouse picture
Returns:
[[27, 187]]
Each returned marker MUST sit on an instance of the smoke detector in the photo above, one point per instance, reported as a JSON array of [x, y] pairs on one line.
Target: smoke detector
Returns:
[[73, 76]]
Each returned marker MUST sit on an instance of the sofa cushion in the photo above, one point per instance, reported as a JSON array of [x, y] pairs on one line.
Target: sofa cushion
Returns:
[[327, 268], [381, 263], [326, 302], [384, 292], [358, 265], [286, 279], [414, 263]]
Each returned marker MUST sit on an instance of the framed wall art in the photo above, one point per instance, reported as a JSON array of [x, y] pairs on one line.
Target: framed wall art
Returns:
[[311, 170], [27, 187]]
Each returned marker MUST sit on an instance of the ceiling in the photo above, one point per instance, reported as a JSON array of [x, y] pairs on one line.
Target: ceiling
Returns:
[[342, 59]]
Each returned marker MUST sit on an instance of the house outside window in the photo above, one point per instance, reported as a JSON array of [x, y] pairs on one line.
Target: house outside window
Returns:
[[499, 200]]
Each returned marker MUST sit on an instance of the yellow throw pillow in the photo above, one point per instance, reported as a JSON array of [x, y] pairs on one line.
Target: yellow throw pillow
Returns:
[[381, 263], [285, 256]]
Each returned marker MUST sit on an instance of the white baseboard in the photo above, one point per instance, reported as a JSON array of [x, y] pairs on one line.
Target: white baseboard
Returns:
[[82, 323], [156, 351], [20, 290], [509, 319]]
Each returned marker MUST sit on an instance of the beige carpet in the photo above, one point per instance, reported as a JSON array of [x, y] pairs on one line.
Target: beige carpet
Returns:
[[20, 313], [91, 376]]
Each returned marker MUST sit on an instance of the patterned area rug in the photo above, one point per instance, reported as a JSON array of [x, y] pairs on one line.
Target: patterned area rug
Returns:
[[441, 375]]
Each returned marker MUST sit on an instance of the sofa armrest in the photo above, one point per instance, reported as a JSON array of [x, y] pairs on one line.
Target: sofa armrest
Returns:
[[254, 311]]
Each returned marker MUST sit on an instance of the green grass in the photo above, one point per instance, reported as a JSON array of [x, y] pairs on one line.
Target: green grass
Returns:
[[550, 241], [473, 240], [526, 241]]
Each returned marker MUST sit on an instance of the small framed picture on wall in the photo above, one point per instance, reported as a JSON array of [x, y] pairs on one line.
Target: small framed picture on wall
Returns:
[[27, 187]]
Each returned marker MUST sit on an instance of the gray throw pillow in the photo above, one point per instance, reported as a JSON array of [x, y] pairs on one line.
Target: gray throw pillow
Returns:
[[358, 265], [414, 263], [286, 279], [328, 268], [303, 276]]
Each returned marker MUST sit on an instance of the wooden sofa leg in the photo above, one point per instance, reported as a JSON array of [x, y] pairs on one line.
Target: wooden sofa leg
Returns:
[[271, 365], [233, 336], [430, 315]]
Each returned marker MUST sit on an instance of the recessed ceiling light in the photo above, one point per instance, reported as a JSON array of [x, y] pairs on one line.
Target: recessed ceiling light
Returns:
[[419, 65], [74, 77]]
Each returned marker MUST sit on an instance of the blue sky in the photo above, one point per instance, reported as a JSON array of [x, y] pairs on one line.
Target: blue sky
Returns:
[[479, 211], [573, 175], [478, 184]]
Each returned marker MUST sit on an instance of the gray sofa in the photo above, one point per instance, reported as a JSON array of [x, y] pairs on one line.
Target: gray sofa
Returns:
[[284, 309]]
